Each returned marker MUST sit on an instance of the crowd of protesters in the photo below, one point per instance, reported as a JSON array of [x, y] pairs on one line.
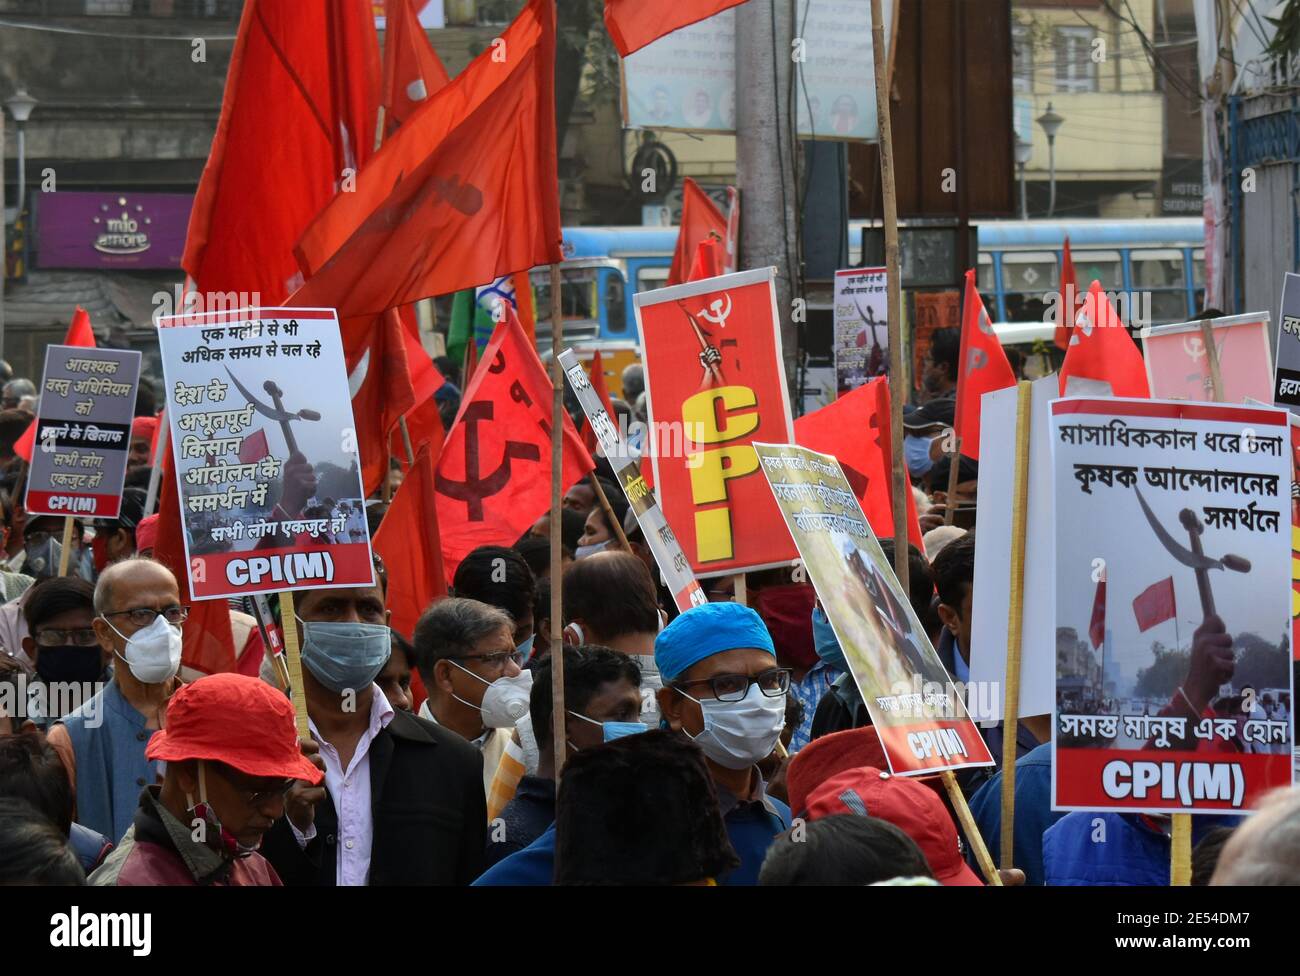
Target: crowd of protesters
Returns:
[[727, 744]]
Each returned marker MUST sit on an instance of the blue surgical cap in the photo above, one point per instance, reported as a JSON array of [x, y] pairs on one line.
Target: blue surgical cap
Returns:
[[708, 630]]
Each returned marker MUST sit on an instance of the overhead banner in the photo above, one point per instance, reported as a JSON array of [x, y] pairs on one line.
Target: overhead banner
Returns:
[[914, 706], [687, 79], [1178, 364], [1287, 377], [83, 432], [265, 451], [1173, 606], [861, 323], [715, 383], [673, 564]]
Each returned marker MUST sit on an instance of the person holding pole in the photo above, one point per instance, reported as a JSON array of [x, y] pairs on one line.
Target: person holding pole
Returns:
[[403, 800], [724, 690]]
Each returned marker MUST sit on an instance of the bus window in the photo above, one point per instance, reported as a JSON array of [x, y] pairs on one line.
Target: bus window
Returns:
[[1198, 277], [1161, 273], [1103, 266], [984, 277], [578, 303], [648, 279], [1027, 277], [615, 307]]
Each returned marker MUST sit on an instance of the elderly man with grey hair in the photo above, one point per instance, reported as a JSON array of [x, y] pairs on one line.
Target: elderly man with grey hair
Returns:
[[465, 653], [12, 393], [1265, 850]]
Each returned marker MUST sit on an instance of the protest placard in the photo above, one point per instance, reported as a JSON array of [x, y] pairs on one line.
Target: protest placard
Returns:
[[715, 383], [918, 712], [1287, 375], [1179, 365], [672, 562], [265, 451], [83, 432], [989, 622], [861, 323], [1171, 526], [687, 79]]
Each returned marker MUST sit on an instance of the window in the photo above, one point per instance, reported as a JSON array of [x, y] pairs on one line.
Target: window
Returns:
[[577, 303], [648, 279], [1163, 275], [1075, 70], [984, 277], [1027, 277], [1104, 266], [1022, 59]]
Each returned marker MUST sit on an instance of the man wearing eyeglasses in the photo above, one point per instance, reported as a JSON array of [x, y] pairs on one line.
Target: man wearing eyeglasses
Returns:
[[402, 801], [63, 646], [138, 619], [724, 691], [231, 749]]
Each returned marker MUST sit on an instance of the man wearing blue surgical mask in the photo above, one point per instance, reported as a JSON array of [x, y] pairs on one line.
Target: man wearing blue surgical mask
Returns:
[[724, 690], [603, 698], [402, 801]]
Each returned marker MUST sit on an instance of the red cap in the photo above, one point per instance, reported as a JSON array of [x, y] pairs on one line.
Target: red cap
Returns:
[[830, 754], [911, 807], [235, 719], [146, 533]]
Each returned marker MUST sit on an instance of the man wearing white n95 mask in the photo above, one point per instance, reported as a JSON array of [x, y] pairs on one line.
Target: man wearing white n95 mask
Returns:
[[724, 690], [138, 618], [467, 657]]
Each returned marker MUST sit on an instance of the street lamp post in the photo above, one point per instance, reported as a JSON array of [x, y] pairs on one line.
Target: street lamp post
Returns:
[[1051, 122], [1024, 152], [20, 105]]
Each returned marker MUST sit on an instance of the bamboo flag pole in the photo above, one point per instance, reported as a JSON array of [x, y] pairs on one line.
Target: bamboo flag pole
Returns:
[[1015, 620], [293, 662], [954, 466], [1212, 352], [67, 546], [558, 714], [968, 827], [608, 510], [741, 590], [893, 295]]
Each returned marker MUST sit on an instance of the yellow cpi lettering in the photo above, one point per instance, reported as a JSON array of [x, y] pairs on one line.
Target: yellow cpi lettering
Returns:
[[700, 415], [713, 535], [710, 471]]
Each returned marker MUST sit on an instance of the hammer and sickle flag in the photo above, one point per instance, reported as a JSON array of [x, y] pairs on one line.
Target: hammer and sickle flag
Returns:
[[494, 475]]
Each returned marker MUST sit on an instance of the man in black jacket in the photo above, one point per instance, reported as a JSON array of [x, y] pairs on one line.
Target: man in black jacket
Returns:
[[402, 801]]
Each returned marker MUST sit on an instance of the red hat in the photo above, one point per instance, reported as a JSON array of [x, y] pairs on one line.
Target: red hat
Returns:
[[235, 719], [909, 806], [144, 427], [830, 754], [146, 533]]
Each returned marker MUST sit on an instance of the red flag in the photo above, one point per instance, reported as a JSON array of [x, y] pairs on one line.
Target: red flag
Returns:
[[494, 476], [380, 382], [1155, 604], [1068, 305], [254, 447], [632, 24], [79, 334], [708, 261], [306, 69], [412, 70], [701, 219], [208, 646], [842, 428], [424, 425], [464, 192], [597, 373], [981, 368], [408, 543], [1097, 626], [426, 380], [1103, 359], [524, 305]]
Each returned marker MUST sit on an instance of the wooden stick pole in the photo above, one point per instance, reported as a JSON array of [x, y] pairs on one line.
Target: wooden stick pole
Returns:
[[1015, 618], [67, 546], [155, 473], [893, 295], [1212, 353], [406, 440], [1180, 851], [968, 827], [954, 467], [558, 714], [741, 590], [608, 510], [293, 662]]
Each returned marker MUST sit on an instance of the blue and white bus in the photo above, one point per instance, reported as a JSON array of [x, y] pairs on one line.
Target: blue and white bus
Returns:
[[1018, 265]]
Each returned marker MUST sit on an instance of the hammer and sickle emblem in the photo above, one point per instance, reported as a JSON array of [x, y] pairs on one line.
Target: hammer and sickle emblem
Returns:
[[1194, 346], [719, 316], [477, 487], [985, 325]]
